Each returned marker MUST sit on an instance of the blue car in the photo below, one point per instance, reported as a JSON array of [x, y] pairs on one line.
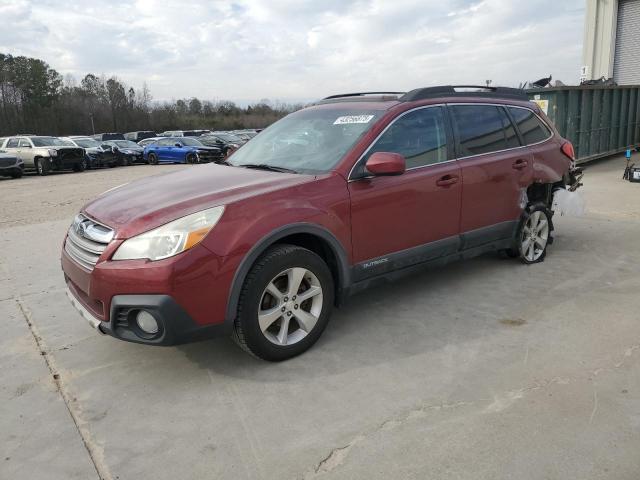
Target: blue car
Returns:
[[180, 150]]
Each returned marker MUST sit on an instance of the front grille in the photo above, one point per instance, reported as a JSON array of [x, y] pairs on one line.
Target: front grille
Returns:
[[86, 241], [7, 162]]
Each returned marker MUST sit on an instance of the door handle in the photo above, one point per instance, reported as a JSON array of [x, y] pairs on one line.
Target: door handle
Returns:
[[520, 164], [447, 180]]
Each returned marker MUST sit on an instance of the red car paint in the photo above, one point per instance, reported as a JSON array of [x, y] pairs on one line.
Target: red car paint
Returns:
[[370, 218]]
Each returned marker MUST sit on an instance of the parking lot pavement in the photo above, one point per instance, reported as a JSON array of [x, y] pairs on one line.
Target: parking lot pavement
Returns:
[[480, 370]]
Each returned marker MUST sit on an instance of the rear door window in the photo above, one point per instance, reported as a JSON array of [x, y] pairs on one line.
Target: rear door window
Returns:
[[531, 127], [483, 129], [12, 143], [419, 136]]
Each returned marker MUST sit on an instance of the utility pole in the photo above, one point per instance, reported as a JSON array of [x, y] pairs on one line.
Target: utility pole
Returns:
[[93, 128]]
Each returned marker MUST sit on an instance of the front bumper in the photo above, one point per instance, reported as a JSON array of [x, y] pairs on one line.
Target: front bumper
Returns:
[[175, 325], [136, 158], [187, 295], [17, 169]]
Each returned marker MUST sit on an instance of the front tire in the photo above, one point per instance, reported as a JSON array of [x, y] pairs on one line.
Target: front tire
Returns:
[[42, 166], [79, 167], [285, 303], [152, 159], [192, 158]]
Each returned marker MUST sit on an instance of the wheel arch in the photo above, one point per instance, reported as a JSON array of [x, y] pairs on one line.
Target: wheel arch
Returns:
[[313, 237]]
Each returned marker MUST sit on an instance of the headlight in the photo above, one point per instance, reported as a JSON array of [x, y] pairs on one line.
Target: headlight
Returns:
[[53, 153], [170, 239]]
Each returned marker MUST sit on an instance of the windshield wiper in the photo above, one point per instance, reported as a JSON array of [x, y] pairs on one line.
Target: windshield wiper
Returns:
[[264, 166]]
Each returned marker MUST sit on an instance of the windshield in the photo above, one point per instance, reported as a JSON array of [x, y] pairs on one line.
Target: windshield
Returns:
[[50, 142], [312, 140], [87, 142], [189, 142], [126, 144]]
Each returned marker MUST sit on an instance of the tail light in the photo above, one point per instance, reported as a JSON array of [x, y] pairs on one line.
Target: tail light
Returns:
[[567, 149]]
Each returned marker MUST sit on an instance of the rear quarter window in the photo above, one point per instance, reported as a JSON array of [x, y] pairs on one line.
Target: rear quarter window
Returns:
[[532, 129]]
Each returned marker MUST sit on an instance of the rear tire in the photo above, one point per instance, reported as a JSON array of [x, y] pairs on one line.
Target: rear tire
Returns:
[[152, 159], [192, 158], [79, 167], [534, 234], [285, 303]]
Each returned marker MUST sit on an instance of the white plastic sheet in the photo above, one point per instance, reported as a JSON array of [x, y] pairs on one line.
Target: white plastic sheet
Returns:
[[568, 203]]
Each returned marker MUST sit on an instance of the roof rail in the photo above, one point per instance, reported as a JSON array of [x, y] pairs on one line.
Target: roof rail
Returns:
[[464, 91], [361, 94]]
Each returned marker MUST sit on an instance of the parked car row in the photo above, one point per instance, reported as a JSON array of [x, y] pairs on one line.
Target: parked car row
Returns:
[[43, 154]]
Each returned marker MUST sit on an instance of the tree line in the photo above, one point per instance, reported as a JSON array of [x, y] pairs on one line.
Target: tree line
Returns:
[[36, 99]]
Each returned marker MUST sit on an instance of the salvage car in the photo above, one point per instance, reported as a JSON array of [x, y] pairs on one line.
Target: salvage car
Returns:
[[139, 135], [126, 152], [45, 154], [264, 246], [181, 150], [224, 141], [10, 165], [96, 154]]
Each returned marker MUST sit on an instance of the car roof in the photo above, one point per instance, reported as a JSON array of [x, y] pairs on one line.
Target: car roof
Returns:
[[387, 100]]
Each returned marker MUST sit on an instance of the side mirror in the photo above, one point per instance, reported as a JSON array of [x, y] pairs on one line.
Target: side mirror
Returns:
[[386, 163], [177, 145]]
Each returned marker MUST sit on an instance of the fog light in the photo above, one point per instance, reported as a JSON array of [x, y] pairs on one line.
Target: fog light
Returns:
[[147, 322]]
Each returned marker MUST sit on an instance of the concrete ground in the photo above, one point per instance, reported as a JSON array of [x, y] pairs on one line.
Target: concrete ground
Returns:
[[486, 369]]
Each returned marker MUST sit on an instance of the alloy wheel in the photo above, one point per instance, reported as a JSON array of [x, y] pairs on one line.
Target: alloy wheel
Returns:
[[290, 306], [535, 235]]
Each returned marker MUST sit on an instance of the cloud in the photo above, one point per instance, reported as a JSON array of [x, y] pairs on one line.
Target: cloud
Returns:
[[298, 49]]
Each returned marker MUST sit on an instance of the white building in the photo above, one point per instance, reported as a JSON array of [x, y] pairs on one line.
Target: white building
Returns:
[[611, 46]]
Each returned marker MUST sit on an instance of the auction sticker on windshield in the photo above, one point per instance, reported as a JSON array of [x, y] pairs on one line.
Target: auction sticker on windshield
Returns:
[[353, 119]]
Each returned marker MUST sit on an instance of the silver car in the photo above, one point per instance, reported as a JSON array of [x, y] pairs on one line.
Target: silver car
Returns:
[[45, 154]]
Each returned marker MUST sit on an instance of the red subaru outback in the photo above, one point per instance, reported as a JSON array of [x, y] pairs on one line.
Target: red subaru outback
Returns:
[[354, 190]]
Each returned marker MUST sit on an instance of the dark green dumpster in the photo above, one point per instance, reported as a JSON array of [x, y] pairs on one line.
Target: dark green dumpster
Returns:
[[598, 120]]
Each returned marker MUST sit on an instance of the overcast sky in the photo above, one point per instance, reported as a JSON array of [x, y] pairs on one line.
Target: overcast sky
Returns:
[[292, 50]]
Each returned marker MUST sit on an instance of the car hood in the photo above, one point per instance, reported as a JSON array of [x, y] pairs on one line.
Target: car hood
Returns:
[[145, 204]]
